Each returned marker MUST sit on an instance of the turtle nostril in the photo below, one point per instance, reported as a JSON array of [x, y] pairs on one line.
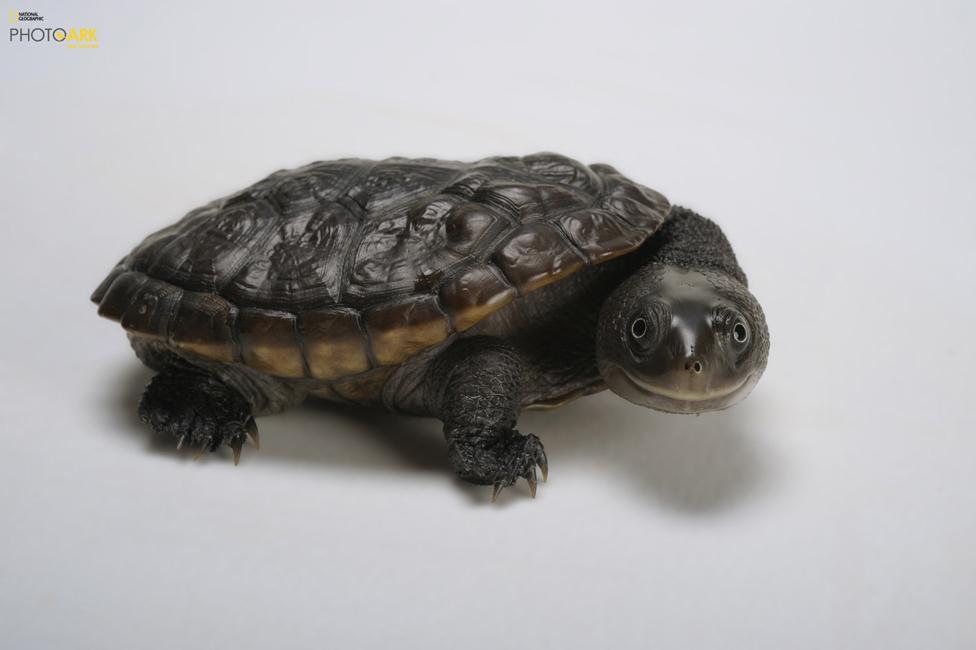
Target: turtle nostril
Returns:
[[694, 366]]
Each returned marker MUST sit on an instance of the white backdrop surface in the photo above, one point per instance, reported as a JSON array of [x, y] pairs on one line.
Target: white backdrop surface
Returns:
[[835, 508]]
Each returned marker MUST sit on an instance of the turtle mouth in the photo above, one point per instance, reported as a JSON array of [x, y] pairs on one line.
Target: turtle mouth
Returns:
[[672, 399]]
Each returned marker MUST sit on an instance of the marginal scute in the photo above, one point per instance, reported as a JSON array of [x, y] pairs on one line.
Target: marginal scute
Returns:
[[151, 309], [639, 205], [115, 300], [334, 344], [536, 256], [203, 326], [400, 330], [640, 216], [103, 288], [654, 200], [268, 342], [600, 235], [473, 294]]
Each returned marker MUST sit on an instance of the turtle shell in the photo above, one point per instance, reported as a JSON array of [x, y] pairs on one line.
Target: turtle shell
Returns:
[[338, 268]]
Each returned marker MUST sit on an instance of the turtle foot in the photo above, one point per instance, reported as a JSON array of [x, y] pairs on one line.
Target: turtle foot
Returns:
[[498, 458], [199, 411]]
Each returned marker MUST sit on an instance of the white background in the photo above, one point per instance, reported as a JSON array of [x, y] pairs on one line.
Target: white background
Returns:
[[835, 508]]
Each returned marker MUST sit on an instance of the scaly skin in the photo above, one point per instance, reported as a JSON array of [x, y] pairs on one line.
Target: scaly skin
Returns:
[[197, 409], [475, 388]]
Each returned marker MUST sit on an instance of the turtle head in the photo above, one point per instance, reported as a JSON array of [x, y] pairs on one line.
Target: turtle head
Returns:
[[682, 341]]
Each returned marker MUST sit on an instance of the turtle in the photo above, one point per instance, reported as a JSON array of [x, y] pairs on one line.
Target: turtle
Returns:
[[464, 291]]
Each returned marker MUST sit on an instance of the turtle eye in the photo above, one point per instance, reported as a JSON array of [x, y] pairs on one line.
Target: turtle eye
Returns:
[[732, 324], [740, 332], [638, 329]]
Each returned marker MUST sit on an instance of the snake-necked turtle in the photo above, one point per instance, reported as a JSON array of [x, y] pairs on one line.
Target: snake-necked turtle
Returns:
[[464, 291]]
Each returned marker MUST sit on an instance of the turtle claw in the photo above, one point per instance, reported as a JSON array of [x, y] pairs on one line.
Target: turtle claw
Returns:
[[252, 430], [496, 490], [530, 479], [237, 444], [498, 458], [543, 465], [198, 410]]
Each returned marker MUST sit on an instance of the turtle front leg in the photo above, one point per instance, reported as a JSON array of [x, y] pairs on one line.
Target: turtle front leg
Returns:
[[475, 388], [198, 410]]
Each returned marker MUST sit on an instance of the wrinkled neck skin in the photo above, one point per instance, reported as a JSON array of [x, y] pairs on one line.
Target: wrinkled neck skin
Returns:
[[682, 333]]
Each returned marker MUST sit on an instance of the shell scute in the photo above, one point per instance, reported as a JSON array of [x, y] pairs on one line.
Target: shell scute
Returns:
[[209, 248], [269, 343], [384, 260], [600, 234], [335, 345], [203, 325], [518, 200], [469, 225], [151, 309], [563, 170], [398, 180], [400, 330], [300, 262], [473, 294], [114, 300], [364, 263], [537, 255]]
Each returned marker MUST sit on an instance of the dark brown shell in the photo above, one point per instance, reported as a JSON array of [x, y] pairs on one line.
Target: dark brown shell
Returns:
[[336, 268]]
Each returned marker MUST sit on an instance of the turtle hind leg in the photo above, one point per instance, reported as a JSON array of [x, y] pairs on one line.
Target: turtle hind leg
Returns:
[[198, 410]]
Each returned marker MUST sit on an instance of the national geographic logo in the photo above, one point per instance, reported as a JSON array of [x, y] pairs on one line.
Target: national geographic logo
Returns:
[[73, 38], [25, 17]]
